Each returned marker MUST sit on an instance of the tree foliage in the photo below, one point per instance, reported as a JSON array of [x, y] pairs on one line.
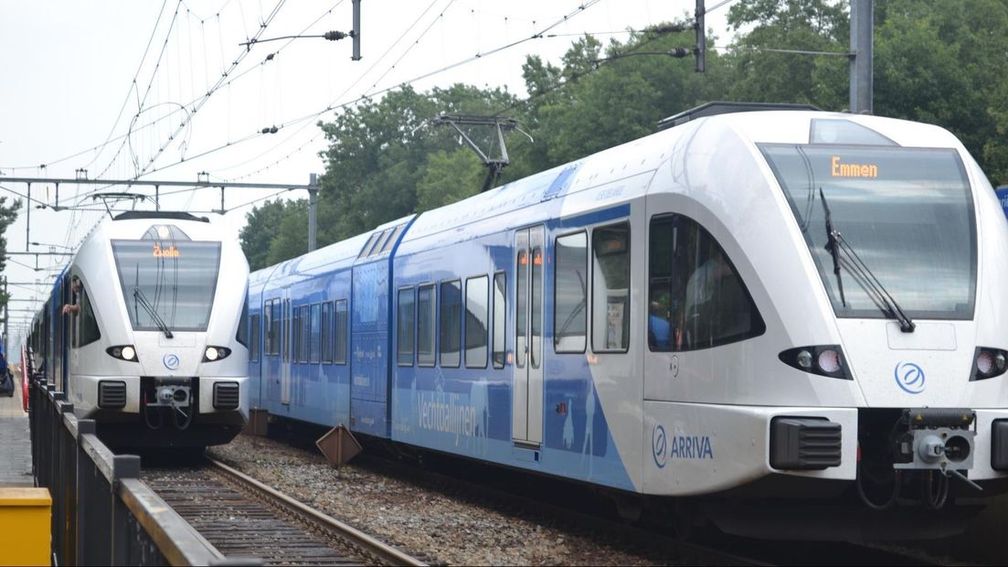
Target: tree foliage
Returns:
[[938, 62], [8, 212]]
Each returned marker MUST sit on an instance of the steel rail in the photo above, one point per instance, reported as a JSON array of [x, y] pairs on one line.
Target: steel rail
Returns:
[[380, 550]]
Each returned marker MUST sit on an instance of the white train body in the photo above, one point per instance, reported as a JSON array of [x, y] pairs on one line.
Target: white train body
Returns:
[[175, 379], [694, 339]]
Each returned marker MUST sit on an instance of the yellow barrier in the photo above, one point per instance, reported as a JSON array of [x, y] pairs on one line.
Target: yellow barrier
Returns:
[[24, 526]]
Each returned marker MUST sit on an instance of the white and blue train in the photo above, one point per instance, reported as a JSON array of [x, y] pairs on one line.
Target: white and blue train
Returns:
[[790, 307], [143, 331]]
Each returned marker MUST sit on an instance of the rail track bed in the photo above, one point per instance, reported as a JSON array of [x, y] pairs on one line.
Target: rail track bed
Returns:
[[244, 519]]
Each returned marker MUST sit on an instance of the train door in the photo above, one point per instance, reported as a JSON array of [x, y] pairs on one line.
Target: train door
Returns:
[[527, 390], [285, 364]]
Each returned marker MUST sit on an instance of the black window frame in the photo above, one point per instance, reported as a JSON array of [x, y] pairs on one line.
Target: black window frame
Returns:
[[407, 326], [341, 334], [444, 327], [326, 338], [427, 359], [466, 321]]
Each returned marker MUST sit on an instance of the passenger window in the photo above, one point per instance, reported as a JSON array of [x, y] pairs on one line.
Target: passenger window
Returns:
[[326, 337], [341, 320], [476, 322], [570, 301], [404, 331], [611, 288], [316, 333], [499, 348], [275, 327], [296, 332], [450, 336], [425, 325], [254, 338], [696, 298]]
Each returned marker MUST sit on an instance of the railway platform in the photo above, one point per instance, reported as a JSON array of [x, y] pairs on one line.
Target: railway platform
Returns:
[[15, 442]]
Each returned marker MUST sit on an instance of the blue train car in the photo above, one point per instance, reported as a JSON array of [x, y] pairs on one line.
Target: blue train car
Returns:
[[1002, 194]]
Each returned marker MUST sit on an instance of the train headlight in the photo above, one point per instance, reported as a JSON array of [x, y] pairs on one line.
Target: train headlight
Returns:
[[988, 363], [215, 353], [824, 360], [123, 352]]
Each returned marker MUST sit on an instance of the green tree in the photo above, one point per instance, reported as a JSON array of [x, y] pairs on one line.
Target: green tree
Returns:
[[8, 213], [261, 228], [449, 177], [292, 234]]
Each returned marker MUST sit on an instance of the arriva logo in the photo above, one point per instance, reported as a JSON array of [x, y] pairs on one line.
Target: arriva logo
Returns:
[[909, 377], [171, 361], [659, 442]]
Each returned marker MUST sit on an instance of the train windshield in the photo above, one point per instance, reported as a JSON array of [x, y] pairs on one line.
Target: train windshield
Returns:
[[907, 213], [167, 284]]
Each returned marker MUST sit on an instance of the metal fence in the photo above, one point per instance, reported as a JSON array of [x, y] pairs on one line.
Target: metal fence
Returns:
[[102, 513]]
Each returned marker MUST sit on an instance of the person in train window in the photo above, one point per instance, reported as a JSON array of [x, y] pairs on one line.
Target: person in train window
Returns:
[[658, 323], [75, 288]]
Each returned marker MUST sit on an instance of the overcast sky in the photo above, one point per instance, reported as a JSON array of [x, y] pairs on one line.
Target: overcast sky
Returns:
[[162, 89]]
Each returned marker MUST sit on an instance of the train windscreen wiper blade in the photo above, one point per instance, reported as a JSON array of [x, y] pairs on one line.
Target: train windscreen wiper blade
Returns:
[[139, 297], [855, 265], [833, 246]]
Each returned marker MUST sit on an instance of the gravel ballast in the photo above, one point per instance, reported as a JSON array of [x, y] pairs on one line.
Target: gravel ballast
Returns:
[[421, 521]]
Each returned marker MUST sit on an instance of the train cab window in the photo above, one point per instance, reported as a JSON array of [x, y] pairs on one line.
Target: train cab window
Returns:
[[476, 322], [695, 295], [88, 331], [404, 327], [450, 336], [425, 325], [611, 288], [499, 289], [340, 334], [326, 336], [315, 345], [242, 334], [253, 345], [570, 300]]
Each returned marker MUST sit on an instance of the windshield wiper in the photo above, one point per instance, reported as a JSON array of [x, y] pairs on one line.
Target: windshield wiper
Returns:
[[837, 246], [832, 245], [138, 296]]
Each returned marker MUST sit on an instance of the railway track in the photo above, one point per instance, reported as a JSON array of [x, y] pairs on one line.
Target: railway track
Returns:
[[245, 519]]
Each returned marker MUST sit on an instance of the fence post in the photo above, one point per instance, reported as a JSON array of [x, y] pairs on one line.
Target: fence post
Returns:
[[123, 467]]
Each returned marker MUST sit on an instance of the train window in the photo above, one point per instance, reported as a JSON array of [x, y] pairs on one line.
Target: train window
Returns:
[[500, 287], [253, 338], [285, 335], [88, 325], [305, 333], [391, 241], [611, 288], [326, 337], [425, 325], [535, 297], [316, 333], [242, 334], [570, 301], [521, 306], [476, 322], [404, 327], [341, 319], [696, 298], [295, 334], [367, 245], [450, 337], [274, 329]]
